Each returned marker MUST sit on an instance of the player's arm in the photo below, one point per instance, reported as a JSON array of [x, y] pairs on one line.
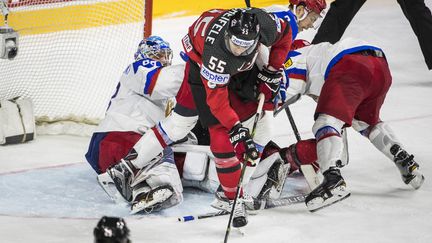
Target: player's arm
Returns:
[[277, 34], [142, 76], [281, 47], [168, 82], [295, 72]]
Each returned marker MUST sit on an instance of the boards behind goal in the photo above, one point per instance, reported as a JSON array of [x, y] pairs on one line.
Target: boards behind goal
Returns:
[[71, 54]]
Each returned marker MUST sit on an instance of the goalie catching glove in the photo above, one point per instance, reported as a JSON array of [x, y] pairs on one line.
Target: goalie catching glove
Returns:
[[242, 142], [269, 83]]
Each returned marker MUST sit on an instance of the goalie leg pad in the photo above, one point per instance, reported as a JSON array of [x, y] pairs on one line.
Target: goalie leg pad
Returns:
[[195, 166], [176, 126], [148, 147], [269, 178], [158, 184], [210, 182]]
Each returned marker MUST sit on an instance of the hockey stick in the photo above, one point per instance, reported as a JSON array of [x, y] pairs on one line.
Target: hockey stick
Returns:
[[292, 122], [248, 4], [290, 101], [201, 216], [308, 171], [263, 204], [239, 185]]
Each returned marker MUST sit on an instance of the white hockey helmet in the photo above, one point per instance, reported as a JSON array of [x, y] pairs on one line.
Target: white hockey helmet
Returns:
[[154, 47]]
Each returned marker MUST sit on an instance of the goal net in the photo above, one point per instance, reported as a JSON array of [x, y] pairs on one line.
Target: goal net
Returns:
[[71, 54]]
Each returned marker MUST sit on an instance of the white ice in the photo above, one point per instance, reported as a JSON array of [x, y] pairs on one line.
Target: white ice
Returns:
[[48, 193]]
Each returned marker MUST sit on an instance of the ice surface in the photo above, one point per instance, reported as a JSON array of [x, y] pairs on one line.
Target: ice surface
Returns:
[[49, 194]]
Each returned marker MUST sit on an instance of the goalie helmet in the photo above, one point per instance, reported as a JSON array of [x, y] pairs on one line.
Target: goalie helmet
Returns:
[[242, 33], [111, 230], [154, 47]]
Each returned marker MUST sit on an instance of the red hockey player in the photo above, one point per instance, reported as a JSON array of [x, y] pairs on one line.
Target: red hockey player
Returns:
[[221, 44], [349, 80]]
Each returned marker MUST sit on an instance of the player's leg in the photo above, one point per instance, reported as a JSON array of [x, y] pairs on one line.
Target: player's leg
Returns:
[[345, 88], [379, 133], [420, 19], [228, 169]]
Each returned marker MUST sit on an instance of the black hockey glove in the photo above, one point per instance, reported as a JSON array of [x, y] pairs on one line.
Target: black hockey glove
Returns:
[[243, 143], [269, 83]]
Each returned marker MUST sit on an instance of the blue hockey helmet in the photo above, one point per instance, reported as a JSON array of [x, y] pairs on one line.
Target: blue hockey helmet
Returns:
[[154, 47]]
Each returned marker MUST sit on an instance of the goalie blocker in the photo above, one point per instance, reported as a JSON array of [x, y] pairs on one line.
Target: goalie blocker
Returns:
[[17, 122]]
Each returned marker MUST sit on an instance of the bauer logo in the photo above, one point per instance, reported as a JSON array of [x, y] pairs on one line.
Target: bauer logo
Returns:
[[187, 43], [215, 78]]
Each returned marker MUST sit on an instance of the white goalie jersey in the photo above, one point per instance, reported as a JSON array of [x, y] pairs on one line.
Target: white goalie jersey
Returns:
[[141, 97]]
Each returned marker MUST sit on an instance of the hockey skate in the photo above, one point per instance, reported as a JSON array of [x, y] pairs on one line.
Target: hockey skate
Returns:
[[117, 179], [149, 200], [221, 202], [240, 215], [273, 187], [408, 168], [331, 190]]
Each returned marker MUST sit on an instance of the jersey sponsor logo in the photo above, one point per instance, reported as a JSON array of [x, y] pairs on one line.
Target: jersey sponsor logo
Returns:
[[187, 43], [214, 78]]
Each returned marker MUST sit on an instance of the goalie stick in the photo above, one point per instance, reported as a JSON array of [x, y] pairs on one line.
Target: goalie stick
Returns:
[[259, 204]]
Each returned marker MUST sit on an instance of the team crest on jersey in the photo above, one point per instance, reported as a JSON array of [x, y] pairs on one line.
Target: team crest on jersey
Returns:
[[288, 63], [214, 78]]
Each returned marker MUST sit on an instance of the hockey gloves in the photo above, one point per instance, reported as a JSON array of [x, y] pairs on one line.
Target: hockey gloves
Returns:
[[243, 144], [269, 83]]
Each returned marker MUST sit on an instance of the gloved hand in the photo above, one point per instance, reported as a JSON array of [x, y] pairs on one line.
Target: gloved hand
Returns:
[[243, 144], [269, 83]]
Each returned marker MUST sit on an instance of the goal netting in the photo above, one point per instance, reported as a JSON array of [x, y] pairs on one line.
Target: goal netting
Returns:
[[71, 55]]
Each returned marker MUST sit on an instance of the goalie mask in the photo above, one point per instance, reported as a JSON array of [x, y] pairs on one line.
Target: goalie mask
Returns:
[[241, 36], [154, 47], [111, 230]]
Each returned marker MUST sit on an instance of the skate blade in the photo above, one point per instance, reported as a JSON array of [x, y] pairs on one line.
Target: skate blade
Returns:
[[417, 181], [159, 196], [107, 184], [318, 203]]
